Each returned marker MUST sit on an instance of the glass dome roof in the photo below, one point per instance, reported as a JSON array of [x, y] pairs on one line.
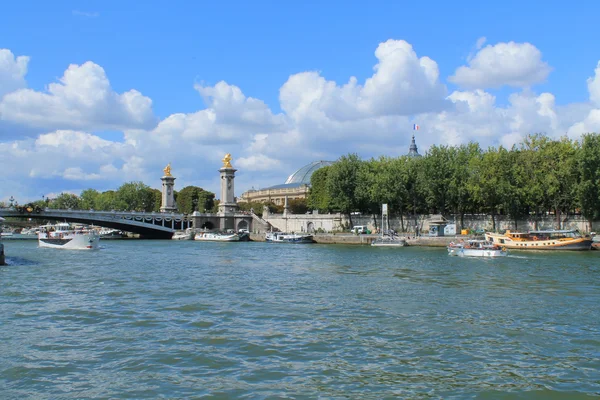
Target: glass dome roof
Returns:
[[303, 174]]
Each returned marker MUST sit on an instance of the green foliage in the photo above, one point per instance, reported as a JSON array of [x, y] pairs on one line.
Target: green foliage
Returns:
[[588, 168], [318, 197], [194, 198], [539, 175], [297, 206], [89, 198], [66, 201], [106, 201], [134, 196], [342, 183], [255, 206]]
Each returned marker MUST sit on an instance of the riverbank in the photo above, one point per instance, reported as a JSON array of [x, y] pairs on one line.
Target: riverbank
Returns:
[[349, 238]]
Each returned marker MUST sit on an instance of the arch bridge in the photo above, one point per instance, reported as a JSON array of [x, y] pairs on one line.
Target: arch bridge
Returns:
[[148, 225]]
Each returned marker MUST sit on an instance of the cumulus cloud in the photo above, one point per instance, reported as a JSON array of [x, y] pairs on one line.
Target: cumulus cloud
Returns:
[[81, 99], [321, 120], [403, 84], [511, 64], [258, 163], [594, 86], [12, 71]]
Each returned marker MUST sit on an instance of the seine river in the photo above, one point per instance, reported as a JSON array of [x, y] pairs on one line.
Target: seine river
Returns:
[[183, 319]]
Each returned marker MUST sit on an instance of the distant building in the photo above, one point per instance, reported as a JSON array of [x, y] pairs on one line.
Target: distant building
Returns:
[[295, 187], [412, 150]]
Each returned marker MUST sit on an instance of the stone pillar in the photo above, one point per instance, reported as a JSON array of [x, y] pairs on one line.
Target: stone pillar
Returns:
[[286, 207], [227, 205], [168, 195]]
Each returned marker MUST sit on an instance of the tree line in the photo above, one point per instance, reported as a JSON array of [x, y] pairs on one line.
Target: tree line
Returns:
[[532, 178], [131, 196]]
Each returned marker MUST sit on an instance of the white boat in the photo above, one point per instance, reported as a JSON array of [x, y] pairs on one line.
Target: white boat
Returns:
[[476, 248], [388, 237], [217, 237], [110, 233], [61, 236], [389, 241], [188, 234], [283, 237]]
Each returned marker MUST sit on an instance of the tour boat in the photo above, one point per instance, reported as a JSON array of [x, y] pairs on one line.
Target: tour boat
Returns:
[[476, 248], [62, 236], [283, 237], [217, 237], [541, 240]]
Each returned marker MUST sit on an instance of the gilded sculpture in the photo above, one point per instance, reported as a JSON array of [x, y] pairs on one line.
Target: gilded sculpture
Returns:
[[227, 161], [167, 170]]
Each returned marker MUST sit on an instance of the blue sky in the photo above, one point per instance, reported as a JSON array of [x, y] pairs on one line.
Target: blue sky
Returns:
[[162, 49]]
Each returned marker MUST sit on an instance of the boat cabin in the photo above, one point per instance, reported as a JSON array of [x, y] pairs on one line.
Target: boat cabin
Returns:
[[543, 235]]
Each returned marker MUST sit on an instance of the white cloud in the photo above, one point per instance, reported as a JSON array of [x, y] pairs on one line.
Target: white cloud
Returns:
[[594, 86], [12, 72], [321, 120], [258, 163], [403, 84], [512, 64], [480, 42], [82, 99]]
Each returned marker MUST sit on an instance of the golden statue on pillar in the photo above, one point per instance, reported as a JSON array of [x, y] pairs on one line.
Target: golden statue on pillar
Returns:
[[167, 170], [227, 161]]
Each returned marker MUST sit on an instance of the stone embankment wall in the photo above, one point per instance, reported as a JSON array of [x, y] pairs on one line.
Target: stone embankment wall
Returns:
[[328, 223], [348, 238]]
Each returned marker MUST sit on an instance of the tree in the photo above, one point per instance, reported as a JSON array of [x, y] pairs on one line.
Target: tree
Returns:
[[65, 201], [106, 201], [157, 200], [194, 198], [342, 181], [588, 165], [297, 206], [318, 196], [255, 206], [135, 196], [437, 167], [89, 197], [459, 199], [485, 183]]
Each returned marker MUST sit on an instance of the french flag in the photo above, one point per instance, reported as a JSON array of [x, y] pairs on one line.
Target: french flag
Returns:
[[415, 127]]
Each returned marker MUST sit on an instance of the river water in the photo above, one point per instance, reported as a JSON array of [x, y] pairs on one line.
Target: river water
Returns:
[[183, 319]]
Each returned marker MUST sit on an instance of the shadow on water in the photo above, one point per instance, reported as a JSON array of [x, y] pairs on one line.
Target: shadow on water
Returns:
[[18, 261]]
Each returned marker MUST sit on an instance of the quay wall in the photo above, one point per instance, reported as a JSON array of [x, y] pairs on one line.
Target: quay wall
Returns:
[[349, 238], [329, 223]]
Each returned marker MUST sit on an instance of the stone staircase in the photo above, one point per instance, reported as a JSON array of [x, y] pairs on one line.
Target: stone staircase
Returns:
[[259, 224]]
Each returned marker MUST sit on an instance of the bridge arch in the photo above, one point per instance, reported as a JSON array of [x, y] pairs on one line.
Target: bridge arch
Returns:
[[243, 225], [207, 225]]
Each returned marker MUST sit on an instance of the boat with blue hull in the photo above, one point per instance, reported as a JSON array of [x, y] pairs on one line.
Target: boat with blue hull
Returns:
[[283, 237]]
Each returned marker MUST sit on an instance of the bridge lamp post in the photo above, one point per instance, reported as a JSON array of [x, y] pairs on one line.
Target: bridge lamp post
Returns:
[[12, 200]]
